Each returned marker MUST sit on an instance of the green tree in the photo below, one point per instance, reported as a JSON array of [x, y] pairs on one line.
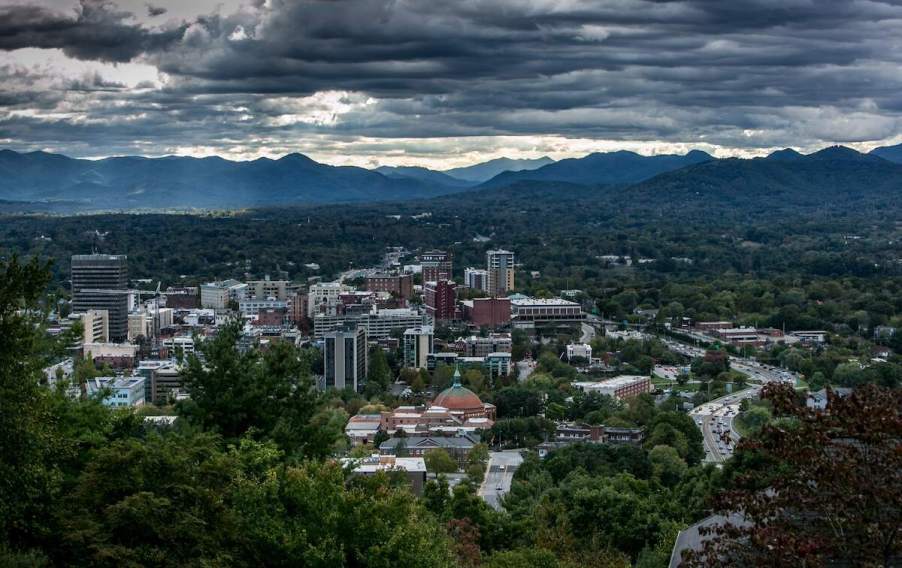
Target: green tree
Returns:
[[437, 496], [378, 377], [29, 474], [439, 461], [667, 465], [479, 455], [272, 394]]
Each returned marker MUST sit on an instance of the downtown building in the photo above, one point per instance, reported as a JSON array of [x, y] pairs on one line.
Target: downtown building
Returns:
[[500, 272], [218, 295], [100, 282], [437, 265], [487, 312], [325, 298], [378, 323], [266, 288], [476, 279], [440, 299], [418, 345], [400, 285], [345, 358]]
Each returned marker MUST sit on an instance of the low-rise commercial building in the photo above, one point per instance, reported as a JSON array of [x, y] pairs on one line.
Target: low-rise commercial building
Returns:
[[414, 468], [538, 312], [363, 428], [458, 447], [323, 298], [476, 346], [162, 379], [117, 355], [622, 387], [579, 350], [217, 295], [123, 391], [253, 306]]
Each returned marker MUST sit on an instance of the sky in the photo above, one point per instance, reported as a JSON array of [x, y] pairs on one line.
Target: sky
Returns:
[[446, 83]]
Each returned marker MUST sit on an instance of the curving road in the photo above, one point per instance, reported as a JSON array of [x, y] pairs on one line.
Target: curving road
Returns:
[[499, 476], [715, 418]]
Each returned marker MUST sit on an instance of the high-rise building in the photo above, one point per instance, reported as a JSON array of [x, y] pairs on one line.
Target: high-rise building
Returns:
[[440, 299], [418, 344], [100, 282], [500, 269], [345, 358], [437, 265], [476, 279]]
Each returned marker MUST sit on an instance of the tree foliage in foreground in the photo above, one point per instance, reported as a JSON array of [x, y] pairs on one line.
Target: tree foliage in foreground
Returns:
[[85, 485], [827, 487]]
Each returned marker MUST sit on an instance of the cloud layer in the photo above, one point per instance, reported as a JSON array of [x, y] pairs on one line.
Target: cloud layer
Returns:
[[446, 83]]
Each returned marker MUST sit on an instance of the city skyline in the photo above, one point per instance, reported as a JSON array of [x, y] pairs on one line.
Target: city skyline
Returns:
[[435, 85]]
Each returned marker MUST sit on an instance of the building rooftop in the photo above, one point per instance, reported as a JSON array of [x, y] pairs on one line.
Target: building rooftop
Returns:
[[542, 302], [375, 463], [615, 382]]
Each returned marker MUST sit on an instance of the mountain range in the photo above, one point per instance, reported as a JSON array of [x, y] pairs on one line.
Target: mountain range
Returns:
[[121, 183]]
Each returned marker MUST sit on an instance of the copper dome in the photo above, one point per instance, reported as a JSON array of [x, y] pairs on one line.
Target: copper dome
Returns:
[[458, 397]]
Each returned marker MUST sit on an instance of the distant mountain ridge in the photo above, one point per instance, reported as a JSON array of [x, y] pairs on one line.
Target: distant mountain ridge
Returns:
[[836, 175], [56, 182], [620, 167], [423, 174], [485, 171], [891, 153], [176, 181]]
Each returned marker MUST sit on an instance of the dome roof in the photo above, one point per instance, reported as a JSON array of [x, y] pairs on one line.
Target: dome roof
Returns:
[[458, 397]]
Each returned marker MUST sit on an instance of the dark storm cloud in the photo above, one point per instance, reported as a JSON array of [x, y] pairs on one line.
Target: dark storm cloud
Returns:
[[742, 74], [96, 30], [154, 11]]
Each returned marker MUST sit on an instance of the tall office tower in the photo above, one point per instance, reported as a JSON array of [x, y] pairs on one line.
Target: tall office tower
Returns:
[[100, 282], [440, 299], [437, 265], [418, 345], [345, 358], [476, 279], [500, 268]]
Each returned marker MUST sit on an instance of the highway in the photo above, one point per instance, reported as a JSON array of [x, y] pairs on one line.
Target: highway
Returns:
[[499, 475], [715, 418]]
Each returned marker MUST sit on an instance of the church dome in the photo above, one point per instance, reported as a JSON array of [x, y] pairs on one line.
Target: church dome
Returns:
[[458, 397]]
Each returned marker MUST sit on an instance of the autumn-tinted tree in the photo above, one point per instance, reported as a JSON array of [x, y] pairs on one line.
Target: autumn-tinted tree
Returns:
[[831, 491]]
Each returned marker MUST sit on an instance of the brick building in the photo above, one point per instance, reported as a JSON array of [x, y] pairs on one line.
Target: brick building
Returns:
[[437, 265], [441, 300], [488, 312], [400, 285]]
